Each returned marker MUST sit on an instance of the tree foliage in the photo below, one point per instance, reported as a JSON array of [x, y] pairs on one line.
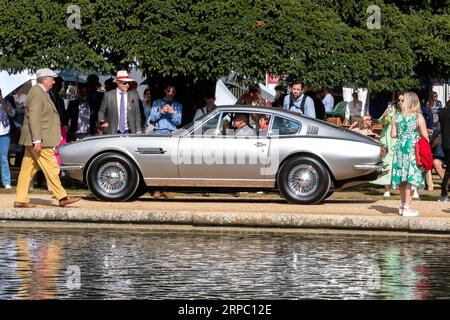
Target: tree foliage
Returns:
[[324, 42]]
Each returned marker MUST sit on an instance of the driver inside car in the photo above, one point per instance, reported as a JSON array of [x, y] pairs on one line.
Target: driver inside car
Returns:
[[241, 126]]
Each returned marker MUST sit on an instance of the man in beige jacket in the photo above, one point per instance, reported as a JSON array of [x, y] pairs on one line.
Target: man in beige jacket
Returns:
[[41, 132]]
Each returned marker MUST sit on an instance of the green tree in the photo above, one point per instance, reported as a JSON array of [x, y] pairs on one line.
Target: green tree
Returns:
[[325, 42]]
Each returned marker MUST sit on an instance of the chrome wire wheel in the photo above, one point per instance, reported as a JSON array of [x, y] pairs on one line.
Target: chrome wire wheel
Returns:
[[112, 177], [303, 180]]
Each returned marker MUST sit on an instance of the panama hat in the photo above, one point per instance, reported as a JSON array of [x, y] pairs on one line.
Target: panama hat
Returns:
[[122, 75], [46, 72]]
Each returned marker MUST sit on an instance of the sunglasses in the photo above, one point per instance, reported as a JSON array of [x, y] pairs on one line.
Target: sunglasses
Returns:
[[124, 82]]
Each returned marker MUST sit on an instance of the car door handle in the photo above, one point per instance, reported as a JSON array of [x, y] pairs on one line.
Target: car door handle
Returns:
[[260, 144], [150, 150]]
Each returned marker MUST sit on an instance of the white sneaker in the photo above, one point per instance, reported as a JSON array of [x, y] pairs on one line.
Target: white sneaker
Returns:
[[7, 186], [415, 194], [386, 194], [410, 213]]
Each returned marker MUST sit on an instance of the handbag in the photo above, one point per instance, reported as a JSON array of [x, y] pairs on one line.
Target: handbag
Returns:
[[424, 157], [149, 127]]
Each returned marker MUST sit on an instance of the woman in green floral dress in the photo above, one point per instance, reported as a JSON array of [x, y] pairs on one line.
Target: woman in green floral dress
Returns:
[[405, 172], [386, 120]]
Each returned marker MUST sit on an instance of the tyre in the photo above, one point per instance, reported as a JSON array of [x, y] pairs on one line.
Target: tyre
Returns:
[[140, 191], [329, 194], [112, 177], [303, 180]]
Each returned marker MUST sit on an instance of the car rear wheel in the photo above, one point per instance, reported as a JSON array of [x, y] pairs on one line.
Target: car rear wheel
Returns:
[[304, 180], [112, 177]]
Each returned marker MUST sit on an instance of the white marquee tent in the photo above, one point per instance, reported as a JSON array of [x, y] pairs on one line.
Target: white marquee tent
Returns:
[[10, 82]]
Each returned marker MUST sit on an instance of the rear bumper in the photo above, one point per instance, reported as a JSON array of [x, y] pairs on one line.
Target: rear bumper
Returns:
[[374, 171], [369, 166]]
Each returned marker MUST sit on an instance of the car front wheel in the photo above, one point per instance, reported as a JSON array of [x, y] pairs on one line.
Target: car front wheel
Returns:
[[112, 177], [304, 180]]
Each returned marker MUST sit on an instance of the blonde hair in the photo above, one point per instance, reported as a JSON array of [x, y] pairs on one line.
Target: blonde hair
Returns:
[[411, 104], [361, 123]]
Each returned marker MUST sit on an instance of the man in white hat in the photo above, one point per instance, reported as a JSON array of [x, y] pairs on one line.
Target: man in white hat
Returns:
[[119, 111], [41, 133]]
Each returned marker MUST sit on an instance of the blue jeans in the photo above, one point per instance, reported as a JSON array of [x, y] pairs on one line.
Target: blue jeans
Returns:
[[4, 148]]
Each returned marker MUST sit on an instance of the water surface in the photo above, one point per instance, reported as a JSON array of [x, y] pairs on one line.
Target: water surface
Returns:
[[94, 264]]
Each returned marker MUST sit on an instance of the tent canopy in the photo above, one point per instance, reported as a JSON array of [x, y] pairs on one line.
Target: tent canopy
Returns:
[[10, 82], [267, 93], [223, 95]]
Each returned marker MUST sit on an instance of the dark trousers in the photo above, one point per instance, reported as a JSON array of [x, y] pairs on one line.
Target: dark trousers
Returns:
[[444, 190]]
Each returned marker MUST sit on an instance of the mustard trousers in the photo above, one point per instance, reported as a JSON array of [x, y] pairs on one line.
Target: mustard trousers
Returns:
[[32, 161]]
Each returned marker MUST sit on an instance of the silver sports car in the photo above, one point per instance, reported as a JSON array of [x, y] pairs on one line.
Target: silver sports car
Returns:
[[232, 148]]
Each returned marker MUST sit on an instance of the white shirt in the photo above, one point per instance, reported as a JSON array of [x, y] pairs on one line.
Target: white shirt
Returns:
[[200, 112], [359, 112], [310, 110], [328, 102], [125, 97], [45, 90]]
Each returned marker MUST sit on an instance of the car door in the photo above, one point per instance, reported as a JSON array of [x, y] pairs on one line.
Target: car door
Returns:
[[157, 158], [211, 156]]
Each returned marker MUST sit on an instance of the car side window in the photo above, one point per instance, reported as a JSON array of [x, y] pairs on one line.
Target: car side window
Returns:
[[285, 127], [209, 127]]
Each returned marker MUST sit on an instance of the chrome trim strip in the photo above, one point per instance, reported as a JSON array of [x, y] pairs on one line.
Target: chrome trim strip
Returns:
[[70, 167], [193, 182], [368, 166]]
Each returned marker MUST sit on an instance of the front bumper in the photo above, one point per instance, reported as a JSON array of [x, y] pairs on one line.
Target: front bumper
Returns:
[[75, 171]]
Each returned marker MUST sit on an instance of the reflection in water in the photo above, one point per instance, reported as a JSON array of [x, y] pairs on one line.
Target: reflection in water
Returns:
[[38, 268], [151, 265], [405, 274]]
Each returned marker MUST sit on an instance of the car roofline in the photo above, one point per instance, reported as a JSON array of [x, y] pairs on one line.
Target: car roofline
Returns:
[[262, 109]]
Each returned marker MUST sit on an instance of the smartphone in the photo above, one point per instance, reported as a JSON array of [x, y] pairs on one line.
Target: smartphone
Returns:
[[389, 108]]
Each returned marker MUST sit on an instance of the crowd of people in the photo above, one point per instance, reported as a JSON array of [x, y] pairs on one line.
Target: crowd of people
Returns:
[[120, 110], [404, 122]]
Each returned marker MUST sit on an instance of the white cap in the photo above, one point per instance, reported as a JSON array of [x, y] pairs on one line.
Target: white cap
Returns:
[[46, 72]]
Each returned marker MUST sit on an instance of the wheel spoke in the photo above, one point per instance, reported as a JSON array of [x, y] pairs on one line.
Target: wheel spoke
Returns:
[[112, 177], [303, 180]]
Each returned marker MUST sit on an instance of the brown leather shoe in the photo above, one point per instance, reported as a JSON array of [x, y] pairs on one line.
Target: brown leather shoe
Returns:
[[23, 205], [167, 195], [157, 194], [69, 200]]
